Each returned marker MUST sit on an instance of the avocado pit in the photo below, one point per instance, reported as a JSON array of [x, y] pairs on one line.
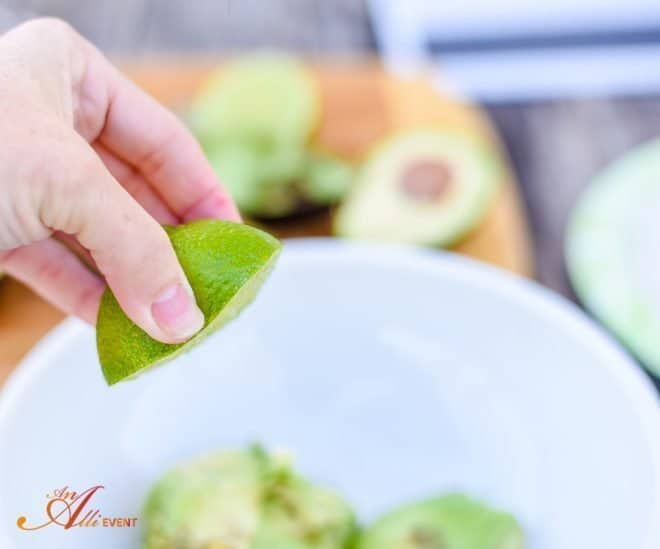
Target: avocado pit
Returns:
[[427, 180]]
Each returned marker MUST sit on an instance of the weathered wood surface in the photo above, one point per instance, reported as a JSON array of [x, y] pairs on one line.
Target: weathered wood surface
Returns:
[[557, 147]]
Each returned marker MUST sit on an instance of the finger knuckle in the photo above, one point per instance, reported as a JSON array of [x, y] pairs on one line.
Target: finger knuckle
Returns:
[[41, 151], [63, 182], [51, 28], [53, 271], [154, 161], [20, 213], [134, 186], [87, 300]]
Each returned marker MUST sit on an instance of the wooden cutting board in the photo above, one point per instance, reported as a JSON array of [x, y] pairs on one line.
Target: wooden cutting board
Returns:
[[362, 104]]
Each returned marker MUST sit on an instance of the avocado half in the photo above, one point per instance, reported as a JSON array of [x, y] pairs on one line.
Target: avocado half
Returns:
[[423, 186], [449, 522], [276, 182], [254, 119], [612, 251], [247, 499], [266, 97]]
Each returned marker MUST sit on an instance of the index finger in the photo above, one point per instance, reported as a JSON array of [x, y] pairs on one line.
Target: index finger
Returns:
[[151, 138]]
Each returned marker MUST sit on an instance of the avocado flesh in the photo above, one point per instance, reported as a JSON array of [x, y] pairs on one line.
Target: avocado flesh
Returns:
[[262, 97], [270, 182], [244, 500], [226, 264], [383, 206], [327, 179], [260, 179], [214, 498], [612, 251], [448, 522], [254, 119]]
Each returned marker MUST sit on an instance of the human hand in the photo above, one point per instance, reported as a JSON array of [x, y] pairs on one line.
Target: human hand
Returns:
[[90, 162]]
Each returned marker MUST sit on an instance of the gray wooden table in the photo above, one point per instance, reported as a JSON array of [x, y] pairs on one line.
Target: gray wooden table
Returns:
[[556, 146]]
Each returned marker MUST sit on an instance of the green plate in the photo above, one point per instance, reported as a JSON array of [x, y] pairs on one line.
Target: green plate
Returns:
[[613, 251]]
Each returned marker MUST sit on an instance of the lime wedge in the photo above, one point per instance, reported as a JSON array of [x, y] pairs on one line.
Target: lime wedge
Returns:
[[226, 263]]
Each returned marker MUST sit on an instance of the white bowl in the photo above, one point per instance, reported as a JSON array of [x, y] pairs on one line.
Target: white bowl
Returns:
[[391, 374]]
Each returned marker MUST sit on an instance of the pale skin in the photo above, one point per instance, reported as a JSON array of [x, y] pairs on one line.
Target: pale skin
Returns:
[[90, 167]]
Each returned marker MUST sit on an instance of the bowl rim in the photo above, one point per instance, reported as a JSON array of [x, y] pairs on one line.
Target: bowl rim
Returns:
[[526, 293]]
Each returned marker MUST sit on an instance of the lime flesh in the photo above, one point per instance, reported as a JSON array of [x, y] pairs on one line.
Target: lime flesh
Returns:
[[226, 263]]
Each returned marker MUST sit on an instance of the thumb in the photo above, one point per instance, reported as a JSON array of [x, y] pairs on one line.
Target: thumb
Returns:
[[130, 248]]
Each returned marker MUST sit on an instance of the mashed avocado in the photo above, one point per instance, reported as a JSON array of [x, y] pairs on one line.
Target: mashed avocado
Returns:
[[244, 500]]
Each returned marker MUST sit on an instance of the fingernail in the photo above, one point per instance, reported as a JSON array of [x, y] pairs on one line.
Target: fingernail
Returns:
[[177, 314]]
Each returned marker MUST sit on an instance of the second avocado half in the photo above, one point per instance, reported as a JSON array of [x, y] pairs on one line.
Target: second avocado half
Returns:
[[422, 186]]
